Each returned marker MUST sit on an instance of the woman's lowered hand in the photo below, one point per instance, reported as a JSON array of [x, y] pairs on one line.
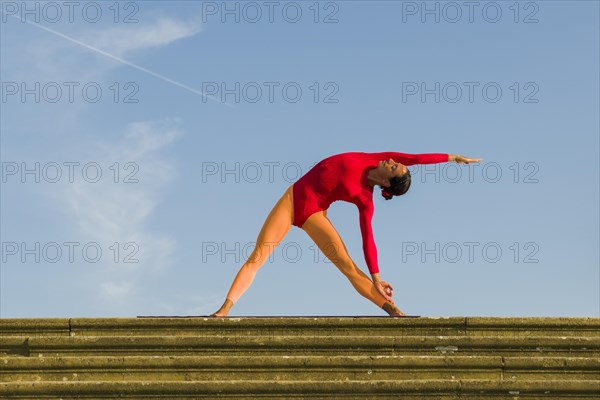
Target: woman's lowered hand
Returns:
[[385, 289]]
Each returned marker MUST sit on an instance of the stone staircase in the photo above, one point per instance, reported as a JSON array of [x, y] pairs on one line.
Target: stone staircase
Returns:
[[300, 358]]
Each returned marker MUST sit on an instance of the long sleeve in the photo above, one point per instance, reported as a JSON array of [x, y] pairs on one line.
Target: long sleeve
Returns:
[[412, 159], [369, 248]]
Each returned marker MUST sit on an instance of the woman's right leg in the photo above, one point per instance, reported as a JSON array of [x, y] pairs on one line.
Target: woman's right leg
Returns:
[[274, 229], [323, 233]]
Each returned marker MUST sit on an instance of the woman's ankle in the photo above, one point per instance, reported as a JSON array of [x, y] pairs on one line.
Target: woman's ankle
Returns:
[[227, 305], [390, 308]]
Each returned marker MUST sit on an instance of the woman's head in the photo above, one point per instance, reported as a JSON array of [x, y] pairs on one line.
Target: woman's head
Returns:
[[398, 177], [398, 186]]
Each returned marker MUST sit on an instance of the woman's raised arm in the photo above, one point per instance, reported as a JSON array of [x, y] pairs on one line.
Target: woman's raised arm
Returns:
[[424, 158], [412, 159], [460, 159]]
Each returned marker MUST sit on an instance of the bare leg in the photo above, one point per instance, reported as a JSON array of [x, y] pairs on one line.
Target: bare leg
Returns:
[[322, 232], [274, 229]]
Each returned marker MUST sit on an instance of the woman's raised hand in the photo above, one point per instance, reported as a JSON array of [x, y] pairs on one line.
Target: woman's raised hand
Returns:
[[466, 160]]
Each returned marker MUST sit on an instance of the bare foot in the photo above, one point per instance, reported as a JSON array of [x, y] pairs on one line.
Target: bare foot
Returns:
[[224, 310], [216, 314], [392, 310]]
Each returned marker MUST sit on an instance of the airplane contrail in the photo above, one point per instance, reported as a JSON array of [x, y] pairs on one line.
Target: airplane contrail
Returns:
[[123, 61]]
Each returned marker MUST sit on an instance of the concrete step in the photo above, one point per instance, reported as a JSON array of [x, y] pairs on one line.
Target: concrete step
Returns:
[[302, 326], [313, 345], [240, 389], [300, 358], [295, 368]]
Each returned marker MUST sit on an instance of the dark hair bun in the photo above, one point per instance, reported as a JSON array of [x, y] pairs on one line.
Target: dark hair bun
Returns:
[[386, 195]]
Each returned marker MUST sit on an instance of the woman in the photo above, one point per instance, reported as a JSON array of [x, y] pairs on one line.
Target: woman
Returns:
[[349, 177]]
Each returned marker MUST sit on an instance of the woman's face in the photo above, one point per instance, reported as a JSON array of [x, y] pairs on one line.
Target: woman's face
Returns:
[[390, 168]]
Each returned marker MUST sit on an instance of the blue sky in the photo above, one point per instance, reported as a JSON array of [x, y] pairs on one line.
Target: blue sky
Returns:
[[208, 112]]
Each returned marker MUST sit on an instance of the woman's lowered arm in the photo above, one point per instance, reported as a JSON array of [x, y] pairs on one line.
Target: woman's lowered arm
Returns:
[[370, 250], [365, 216]]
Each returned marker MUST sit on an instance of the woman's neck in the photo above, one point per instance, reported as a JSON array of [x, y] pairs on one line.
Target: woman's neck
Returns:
[[373, 178]]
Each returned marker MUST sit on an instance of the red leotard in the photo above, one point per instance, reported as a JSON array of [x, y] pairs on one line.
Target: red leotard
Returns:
[[344, 177]]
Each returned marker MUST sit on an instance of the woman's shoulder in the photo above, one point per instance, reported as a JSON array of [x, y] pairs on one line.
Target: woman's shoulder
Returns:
[[349, 154], [363, 199]]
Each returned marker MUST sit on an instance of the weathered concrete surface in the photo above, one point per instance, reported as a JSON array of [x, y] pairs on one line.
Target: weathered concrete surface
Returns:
[[300, 357], [298, 368], [361, 326], [280, 388], [314, 345]]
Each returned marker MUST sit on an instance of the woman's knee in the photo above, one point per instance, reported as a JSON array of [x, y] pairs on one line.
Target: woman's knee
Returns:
[[259, 255], [336, 252], [322, 232], [346, 266]]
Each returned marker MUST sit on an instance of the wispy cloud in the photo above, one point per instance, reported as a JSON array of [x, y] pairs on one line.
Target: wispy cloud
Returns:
[[124, 39], [105, 212], [108, 212], [107, 209]]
